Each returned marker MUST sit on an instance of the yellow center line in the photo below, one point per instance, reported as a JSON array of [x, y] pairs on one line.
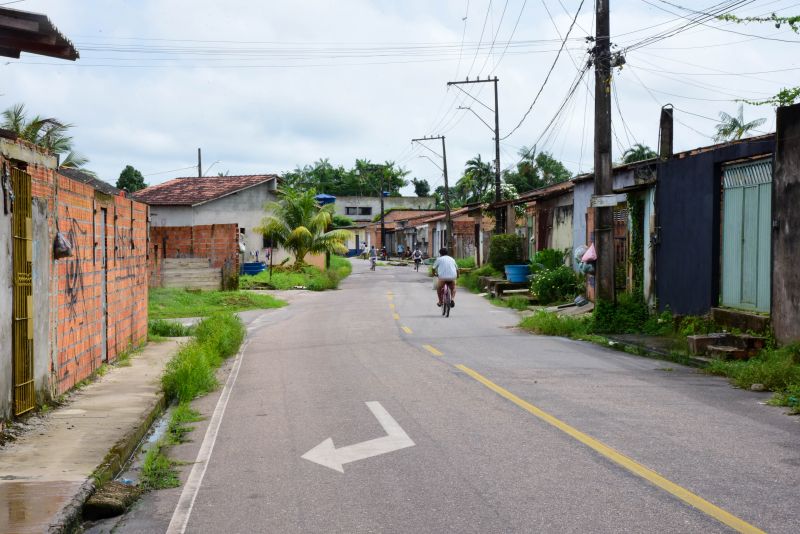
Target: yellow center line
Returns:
[[432, 350], [407, 330], [389, 297], [396, 316], [391, 306], [631, 465]]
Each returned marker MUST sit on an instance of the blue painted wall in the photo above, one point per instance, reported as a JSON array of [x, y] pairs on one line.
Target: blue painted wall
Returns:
[[688, 197]]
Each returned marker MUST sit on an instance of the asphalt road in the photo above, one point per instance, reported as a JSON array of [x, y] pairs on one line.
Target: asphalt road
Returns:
[[511, 432]]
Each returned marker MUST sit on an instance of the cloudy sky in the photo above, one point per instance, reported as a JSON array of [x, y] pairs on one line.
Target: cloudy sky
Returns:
[[264, 86]]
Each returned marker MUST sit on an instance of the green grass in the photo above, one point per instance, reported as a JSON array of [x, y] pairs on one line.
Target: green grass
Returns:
[[309, 277], [192, 371], [165, 328], [171, 303], [158, 471], [515, 302], [777, 369], [470, 280], [550, 324], [466, 263], [179, 423]]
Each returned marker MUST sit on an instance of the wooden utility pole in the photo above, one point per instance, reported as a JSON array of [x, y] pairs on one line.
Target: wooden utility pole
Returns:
[[199, 165], [499, 226], [450, 238], [603, 179]]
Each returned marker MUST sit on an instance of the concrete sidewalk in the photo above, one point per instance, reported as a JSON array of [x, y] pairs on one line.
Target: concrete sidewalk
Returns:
[[52, 468]]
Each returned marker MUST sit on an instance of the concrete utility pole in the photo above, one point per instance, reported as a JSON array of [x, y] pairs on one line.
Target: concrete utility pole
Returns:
[[603, 179], [372, 167], [199, 165], [450, 239], [499, 226]]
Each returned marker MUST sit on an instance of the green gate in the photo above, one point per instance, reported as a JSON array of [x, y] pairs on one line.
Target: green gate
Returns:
[[24, 392], [746, 236]]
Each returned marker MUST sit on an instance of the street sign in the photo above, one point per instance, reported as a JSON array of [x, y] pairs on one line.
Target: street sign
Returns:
[[327, 455]]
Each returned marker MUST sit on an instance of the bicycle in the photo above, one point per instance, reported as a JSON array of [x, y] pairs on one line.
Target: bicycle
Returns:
[[372, 262], [447, 300], [416, 265]]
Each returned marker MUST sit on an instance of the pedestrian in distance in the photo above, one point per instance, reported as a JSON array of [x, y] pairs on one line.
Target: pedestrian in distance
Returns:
[[373, 257]]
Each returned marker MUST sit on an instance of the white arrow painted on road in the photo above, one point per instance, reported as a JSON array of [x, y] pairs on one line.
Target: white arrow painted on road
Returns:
[[329, 456]]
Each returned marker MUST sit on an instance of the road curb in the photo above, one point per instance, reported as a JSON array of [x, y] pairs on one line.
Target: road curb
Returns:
[[70, 516], [655, 353]]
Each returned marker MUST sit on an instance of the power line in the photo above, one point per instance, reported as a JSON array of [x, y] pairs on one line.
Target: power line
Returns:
[[549, 72]]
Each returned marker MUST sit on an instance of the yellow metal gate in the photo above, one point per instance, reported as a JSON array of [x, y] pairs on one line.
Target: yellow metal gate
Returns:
[[24, 392]]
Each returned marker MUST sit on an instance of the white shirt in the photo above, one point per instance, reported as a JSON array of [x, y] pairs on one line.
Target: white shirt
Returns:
[[446, 268]]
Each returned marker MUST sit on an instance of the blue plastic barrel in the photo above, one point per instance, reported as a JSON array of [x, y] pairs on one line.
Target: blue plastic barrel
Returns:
[[517, 273], [253, 267]]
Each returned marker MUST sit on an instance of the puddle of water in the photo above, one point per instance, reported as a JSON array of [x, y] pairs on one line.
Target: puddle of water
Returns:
[[29, 507]]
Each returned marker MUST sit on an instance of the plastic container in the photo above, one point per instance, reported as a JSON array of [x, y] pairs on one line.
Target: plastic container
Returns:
[[518, 273], [253, 267]]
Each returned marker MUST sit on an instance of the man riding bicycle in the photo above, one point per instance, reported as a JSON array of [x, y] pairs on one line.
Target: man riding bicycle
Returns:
[[417, 257], [446, 269]]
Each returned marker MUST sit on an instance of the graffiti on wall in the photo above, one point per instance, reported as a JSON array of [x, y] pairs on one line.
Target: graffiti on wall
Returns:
[[74, 264]]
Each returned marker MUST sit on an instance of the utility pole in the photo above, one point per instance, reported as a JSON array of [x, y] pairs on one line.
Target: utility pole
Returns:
[[499, 227], [199, 165], [450, 238], [603, 179]]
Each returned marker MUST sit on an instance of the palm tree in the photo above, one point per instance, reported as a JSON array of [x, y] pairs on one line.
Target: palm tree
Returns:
[[638, 152], [477, 180], [48, 133], [300, 225], [732, 128]]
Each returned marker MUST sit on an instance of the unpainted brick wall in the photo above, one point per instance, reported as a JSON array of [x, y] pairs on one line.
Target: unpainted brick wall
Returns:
[[217, 242], [76, 282]]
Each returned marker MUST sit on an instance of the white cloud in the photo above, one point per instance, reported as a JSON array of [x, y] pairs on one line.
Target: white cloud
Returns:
[[263, 113]]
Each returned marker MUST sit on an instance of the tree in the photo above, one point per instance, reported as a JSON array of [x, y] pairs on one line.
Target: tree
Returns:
[[298, 223], [48, 133], [475, 184], [732, 128], [536, 170], [421, 187], [638, 152], [130, 180]]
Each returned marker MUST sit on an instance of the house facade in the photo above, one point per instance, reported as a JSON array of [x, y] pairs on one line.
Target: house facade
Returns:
[[365, 209], [191, 202], [63, 316]]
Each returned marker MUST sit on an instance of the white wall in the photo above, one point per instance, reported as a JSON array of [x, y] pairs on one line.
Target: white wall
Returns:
[[344, 202]]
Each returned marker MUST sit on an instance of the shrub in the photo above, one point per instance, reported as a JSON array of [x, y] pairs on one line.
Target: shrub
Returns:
[[627, 316], [517, 302], [466, 263], [549, 259], [550, 324], [555, 285], [162, 327], [505, 249]]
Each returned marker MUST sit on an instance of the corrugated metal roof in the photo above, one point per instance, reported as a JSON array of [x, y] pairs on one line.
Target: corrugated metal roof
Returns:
[[747, 174]]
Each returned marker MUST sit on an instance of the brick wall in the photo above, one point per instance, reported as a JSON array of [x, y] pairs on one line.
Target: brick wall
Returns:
[[78, 342], [217, 242]]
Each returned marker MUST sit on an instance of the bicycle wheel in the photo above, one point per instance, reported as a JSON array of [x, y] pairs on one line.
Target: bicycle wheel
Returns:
[[446, 299]]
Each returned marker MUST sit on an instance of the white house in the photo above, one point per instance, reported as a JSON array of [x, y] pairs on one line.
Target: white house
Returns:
[[365, 209], [186, 202]]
